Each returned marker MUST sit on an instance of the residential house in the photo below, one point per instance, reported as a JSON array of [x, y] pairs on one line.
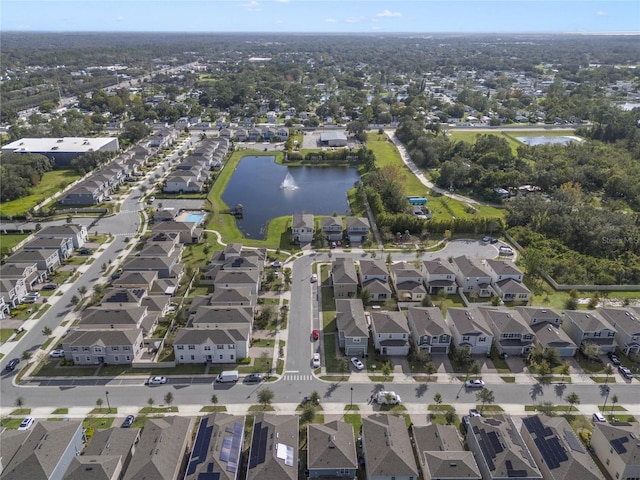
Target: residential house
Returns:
[[46, 260], [344, 278], [390, 333], [26, 271], [84, 194], [217, 449], [590, 327], [353, 331], [225, 344], [209, 317], [331, 450], [12, 292], [387, 450], [429, 330], [439, 275], [500, 450], [408, 282], [472, 278], [357, 229], [64, 246], [617, 447], [512, 334], [507, 281], [273, 453], [627, 325], [238, 279], [162, 449], [136, 279], [188, 231], [108, 316], [94, 347], [87, 467], [166, 266], [470, 329], [556, 449], [5, 308], [440, 453], [332, 228], [374, 278], [44, 452], [77, 233], [183, 182], [302, 228], [546, 325], [166, 248]]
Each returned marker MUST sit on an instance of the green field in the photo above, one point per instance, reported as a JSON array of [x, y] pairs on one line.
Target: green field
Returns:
[[48, 186], [469, 136], [7, 242]]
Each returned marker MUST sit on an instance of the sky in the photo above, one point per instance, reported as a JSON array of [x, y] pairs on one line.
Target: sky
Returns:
[[330, 16]]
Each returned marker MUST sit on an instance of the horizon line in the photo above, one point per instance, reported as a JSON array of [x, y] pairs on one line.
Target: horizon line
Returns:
[[349, 32]]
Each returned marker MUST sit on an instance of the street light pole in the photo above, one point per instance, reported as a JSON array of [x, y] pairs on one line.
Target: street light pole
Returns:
[[608, 389], [351, 403], [108, 404]]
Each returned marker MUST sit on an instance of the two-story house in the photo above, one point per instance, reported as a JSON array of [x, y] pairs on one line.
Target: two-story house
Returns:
[[586, 328], [64, 246], [507, 281], [390, 333], [332, 228], [546, 324], [344, 279], [357, 229], [471, 277], [429, 330], [331, 450], [408, 281], [273, 453], [302, 228], [93, 347], [626, 322], [47, 260], [439, 275], [77, 233], [351, 323], [618, 449], [374, 278], [470, 329], [512, 334]]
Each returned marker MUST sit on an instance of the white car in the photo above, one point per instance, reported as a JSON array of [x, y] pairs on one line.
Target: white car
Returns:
[[26, 423], [387, 398], [314, 278], [159, 380], [316, 360], [357, 363], [477, 383], [56, 353], [598, 417]]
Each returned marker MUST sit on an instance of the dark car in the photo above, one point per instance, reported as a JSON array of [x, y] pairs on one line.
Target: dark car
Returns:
[[11, 366], [614, 358], [253, 378], [49, 286], [128, 421], [84, 251]]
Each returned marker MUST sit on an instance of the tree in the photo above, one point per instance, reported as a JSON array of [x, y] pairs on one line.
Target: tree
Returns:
[[437, 398], [365, 296], [214, 399], [19, 403], [74, 300], [168, 398], [572, 399], [608, 370], [450, 416], [46, 331], [552, 357], [565, 369], [308, 413], [150, 401], [82, 290], [546, 408], [614, 400], [99, 402], [386, 370], [485, 396], [265, 397], [591, 350], [314, 398], [26, 355], [474, 368]]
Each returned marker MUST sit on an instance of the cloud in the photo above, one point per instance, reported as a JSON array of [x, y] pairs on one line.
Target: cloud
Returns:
[[282, 1], [352, 20], [119, 19], [330, 20], [600, 13], [252, 6], [389, 13]]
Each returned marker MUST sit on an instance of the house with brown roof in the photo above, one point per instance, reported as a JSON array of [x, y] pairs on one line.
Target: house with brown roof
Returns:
[[331, 450], [273, 453], [429, 330], [387, 450], [390, 333], [440, 453]]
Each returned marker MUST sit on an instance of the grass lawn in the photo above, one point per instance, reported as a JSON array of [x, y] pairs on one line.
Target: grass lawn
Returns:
[[443, 208], [11, 423], [60, 411], [356, 421], [5, 333], [145, 410], [48, 186], [97, 422], [470, 136], [7, 242], [213, 408]]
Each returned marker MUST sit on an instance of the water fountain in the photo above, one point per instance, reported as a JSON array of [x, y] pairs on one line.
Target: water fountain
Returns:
[[288, 183]]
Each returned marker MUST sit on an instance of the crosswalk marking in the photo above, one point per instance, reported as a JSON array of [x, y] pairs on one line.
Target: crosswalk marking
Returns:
[[295, 377]]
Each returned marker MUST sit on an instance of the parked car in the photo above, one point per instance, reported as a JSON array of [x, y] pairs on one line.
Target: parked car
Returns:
[[315, 334], [11, 366], [486, 239], [476, 383], [314, 278], [474, 413], [507, 251], [357, 363], [276, 264], [85, 251], [466, 422], [107, 198], [26, 423], [598, 417], [625, 372], [128, 421], [253, 378], [158, 380], [387, 398], [316, 360], [614, 358], [49, 286], [58, 353]]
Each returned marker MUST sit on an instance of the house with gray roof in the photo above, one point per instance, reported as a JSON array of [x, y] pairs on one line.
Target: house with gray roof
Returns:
[[212, 317], [217, 449], [12, 292], [556, 449], [353, 332], [331, 450], [408, 281], [472, 277], [507, 280], [77, 233], [136, 279], [386, 448], [26, 271], [470, 329], [374, 277], [429, 330], [546, 325], [438, 275], [273, 453], [93, 347], [44, 452], [357, 229], [188, 231], [617, 447], [440, 453], [233, 278], [589, 328], [332, 228], [89, 467], [162, 448], [390, 333], [64, 246], [160, 249], [119, 318], [626, 322], [166, 266], [511, 333], [499, 449], [344, 278], [225, 344], [302, 228], [232, 297]]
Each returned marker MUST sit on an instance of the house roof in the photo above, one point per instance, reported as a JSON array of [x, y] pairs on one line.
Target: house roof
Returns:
[[222, 316], [344, 271], [590, 321], [217, 336], [428, 321], [273, 453], [27, 256], [441, 455], [389, 322], [505, 321], [157, 249], [403, 270], [217, 451], [233, 249], [357, 222], [112, 441], [302, 220], [350, 318], [248, 277], [331, 446], [538, 314], [231, 295], [105, 338], [91, 467], [171, 226], [502, 448], [70, 230], [161, 449], [373, 268], [377, 286], [35, 453], [438, 267], [136, 278], [504, 267], [623, 438], [388, 447], [468, 268], [411, 286], [622, 319], [331, 223], [469, 321], [550, 336], [512, 286], [106, 316], [123, 295], [45, 242], [149, 263], [569, 459]]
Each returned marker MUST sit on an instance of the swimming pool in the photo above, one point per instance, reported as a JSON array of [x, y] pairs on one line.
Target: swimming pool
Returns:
[[194, 218]]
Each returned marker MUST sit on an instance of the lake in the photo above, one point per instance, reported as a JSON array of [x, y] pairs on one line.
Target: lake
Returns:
[[256, 184]]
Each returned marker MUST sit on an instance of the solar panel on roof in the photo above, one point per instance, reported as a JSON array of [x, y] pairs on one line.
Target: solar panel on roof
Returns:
[[547, 455], [495, 442], [225, 451], [573, 442], [200, 446], [236, 446], [618, 446]]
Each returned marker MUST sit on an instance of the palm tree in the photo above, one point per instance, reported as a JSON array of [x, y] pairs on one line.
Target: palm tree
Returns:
[[572, 399], [614, 400], [386, 370], [314, 398], [214, 399], [608, 370], [265, 397], [485, 396], [437, 398], [474, 369], [82, 290]]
